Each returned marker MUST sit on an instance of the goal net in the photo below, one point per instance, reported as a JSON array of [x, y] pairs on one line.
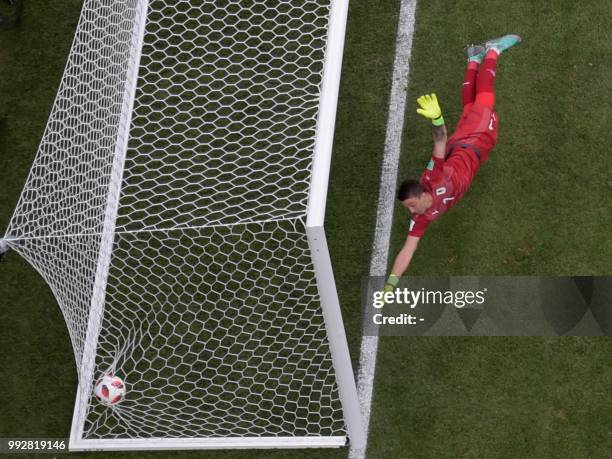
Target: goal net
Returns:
[[175, 208]]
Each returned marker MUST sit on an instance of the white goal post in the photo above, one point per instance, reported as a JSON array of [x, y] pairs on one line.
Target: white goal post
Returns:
[[176, 208]]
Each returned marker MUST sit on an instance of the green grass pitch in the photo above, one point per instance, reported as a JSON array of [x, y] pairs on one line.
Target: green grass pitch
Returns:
[[542, 205]]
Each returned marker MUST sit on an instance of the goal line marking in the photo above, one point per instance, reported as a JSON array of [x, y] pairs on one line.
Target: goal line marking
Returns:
[[386, 199]]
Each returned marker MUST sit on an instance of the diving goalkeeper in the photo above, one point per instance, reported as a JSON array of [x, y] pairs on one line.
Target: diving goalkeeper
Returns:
[[455, 161]]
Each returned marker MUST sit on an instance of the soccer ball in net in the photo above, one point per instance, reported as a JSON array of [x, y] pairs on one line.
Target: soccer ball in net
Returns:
[[110, 390]]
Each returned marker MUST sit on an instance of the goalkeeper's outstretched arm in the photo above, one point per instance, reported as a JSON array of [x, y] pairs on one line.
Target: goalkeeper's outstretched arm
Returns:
[[402, 261]]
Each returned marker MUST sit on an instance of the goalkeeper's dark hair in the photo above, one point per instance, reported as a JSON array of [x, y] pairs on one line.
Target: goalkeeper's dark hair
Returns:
[[410, 189]]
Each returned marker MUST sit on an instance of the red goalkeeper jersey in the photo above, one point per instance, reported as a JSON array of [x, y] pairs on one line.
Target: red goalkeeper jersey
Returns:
[[446, 181]]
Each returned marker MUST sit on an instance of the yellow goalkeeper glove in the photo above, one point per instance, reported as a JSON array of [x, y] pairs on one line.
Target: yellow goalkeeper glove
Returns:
[[389, 287], [430, 108], [391, 283]]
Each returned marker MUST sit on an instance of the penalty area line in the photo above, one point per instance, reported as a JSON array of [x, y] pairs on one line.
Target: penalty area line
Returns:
[[386, 199]]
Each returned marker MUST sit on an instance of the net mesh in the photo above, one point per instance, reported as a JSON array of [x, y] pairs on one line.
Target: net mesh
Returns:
[[192, 182], [64, 200], [225, 341], [225, 117]]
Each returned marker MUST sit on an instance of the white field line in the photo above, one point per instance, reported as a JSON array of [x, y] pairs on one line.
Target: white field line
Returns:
[[386, 198]]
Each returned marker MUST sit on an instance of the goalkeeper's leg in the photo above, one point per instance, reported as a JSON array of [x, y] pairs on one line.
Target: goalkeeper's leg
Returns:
[[468, 88], [478, 119], [485, 92], [475, 54]]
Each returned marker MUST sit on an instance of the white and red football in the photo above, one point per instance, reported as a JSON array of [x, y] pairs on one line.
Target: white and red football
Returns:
[[110, 390]]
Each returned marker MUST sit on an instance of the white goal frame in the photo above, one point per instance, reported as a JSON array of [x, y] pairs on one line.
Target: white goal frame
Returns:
[[320, 258]]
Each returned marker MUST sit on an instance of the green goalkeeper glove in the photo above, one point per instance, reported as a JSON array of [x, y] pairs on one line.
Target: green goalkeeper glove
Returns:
[[391, 283], [430, 108], [389, 287]]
